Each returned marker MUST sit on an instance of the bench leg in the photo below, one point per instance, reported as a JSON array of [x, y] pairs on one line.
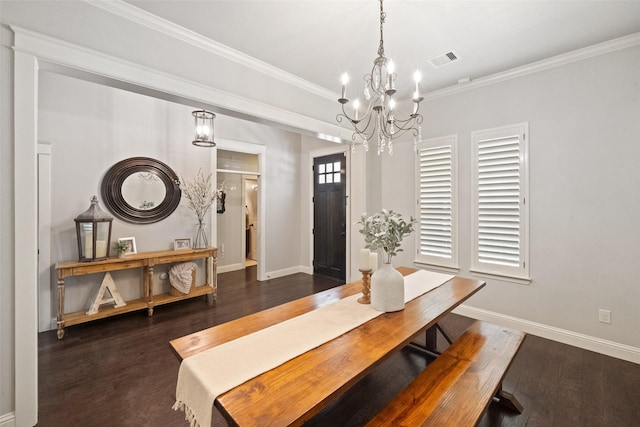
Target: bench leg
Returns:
[[508, 400]]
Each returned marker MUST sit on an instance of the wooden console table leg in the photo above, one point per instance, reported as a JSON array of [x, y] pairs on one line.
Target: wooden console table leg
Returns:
[[212, 279], [60, 322], [148, 285]]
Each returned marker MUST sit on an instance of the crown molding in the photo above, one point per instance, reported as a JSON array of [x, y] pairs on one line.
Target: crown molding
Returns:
[[542, 65], [84, 63], [139, 16]]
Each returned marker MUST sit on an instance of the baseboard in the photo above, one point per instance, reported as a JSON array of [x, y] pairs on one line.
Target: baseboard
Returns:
[[306, 269], [8, 420], [228, 268], [587, 342], [234, 267], [287, 271]]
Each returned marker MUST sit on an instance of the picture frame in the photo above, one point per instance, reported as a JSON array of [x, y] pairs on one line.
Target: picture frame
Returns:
[[179, 244], [220, 208], [132, 245]]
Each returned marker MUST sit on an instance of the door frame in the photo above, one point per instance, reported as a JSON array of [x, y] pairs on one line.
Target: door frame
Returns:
[[46, 316], [260, 151], [321, 152]]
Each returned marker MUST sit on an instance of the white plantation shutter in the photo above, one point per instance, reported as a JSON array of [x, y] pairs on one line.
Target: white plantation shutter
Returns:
[[436, 211], [500, 217]]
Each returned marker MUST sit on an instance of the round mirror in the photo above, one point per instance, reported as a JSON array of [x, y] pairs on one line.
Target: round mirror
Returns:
[[141, 190]]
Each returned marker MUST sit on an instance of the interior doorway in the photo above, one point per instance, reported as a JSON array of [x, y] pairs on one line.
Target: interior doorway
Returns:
[[239, 237], [251, 224]]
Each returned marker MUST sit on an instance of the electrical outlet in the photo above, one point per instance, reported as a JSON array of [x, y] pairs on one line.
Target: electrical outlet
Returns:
[[604, 316]]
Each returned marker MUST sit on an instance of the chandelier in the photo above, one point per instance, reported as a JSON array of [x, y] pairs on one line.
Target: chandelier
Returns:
[[379, 119]]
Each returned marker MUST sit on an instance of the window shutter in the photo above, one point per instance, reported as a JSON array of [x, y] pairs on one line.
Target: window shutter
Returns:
[[436, 202], [500, 215], [499, 202]]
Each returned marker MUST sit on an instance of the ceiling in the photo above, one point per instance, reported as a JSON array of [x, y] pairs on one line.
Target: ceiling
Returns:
[[318, 40]]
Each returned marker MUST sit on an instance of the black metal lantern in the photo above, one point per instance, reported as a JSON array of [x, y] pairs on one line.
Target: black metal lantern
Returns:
[[203, 128], [93, 229]]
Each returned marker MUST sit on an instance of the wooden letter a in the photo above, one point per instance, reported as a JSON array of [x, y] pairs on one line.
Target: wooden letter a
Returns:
[[107, 284]]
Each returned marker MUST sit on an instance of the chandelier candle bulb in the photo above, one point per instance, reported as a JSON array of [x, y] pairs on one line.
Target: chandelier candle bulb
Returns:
[[345, 80], [356, 106]]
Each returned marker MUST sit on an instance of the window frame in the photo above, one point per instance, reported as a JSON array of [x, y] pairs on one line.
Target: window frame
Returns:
[[521, 273], [437, 262]]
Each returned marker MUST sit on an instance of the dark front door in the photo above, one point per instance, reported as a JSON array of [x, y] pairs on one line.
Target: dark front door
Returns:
[[329, 213]]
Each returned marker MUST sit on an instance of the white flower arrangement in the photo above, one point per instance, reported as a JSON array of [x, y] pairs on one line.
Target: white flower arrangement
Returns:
[[385, 231], [199, 194]]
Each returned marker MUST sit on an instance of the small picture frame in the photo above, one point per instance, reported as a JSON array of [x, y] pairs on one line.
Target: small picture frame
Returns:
[[131, 241], [181, 244]]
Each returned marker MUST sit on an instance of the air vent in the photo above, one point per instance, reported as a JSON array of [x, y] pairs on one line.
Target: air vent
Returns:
[[444, 59]]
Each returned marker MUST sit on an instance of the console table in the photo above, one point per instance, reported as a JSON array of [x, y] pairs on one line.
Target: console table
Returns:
[[146, 261]]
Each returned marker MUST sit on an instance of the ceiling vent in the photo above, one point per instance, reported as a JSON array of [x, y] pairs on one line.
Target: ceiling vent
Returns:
[[444, 59]]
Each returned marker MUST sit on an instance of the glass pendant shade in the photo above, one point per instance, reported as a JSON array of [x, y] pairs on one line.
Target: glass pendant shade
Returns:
[[203, 128], [93, 230]]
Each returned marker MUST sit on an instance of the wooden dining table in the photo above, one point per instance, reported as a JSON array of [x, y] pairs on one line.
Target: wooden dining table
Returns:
[[295, 391]]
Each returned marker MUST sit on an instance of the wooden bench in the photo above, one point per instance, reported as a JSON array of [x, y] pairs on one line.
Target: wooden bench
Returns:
[[457, 387]]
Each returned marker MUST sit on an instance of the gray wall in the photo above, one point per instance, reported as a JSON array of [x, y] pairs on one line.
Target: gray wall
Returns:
[[584, 125], [90, 127]]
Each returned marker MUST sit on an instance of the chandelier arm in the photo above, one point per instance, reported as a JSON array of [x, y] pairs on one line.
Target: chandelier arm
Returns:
[[401, 127], [362, 131], [372, 102], [402, 130], [408, 123], [359, 129]]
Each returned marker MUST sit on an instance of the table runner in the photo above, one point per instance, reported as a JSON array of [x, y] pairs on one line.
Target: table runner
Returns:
[[206, 375]]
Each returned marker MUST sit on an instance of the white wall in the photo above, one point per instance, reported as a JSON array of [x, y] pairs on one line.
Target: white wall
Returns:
[[282, 180], [90, 127], [584, 124]]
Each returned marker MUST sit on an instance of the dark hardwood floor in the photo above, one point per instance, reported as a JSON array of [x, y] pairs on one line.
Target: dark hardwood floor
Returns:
[[122, 372]]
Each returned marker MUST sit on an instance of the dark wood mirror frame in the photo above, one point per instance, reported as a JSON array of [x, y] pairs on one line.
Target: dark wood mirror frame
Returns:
[[117, 205]]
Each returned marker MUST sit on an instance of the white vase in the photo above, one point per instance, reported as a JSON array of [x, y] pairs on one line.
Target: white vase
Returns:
[[387, 289]]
